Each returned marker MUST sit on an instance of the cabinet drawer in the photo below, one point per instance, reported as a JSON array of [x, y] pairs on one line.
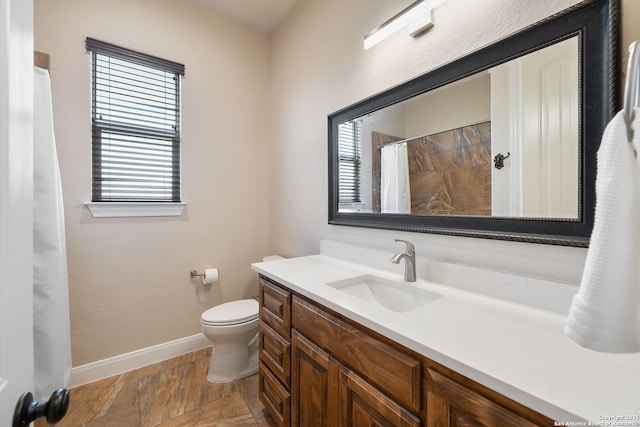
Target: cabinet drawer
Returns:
[[275, 397], [394, 372], [275, 353], [275, 307]]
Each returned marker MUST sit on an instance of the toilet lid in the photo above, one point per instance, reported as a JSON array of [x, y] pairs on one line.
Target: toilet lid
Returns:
[[231, 313]]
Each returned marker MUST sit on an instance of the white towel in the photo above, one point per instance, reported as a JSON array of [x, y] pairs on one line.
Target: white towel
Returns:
[[604, 312], [395, 196], [52, 345]]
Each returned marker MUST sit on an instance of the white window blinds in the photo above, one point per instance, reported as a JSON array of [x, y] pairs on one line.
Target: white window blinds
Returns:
[[136, 125], [349, 141]]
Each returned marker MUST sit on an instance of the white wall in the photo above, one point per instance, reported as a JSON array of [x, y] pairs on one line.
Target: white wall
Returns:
[[318, 66], [129, 277]]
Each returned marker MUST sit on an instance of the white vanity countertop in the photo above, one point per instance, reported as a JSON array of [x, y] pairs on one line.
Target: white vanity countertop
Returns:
[[518, 351]]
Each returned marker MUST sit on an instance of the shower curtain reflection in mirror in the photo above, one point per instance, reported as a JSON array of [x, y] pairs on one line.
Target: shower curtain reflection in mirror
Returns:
[[394, 188]]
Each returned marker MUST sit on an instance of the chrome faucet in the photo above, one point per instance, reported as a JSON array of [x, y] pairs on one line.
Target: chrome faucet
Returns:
[[409, 261]]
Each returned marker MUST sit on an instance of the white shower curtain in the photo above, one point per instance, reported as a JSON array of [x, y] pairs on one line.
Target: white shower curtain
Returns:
[[52, 345], [394, 183]]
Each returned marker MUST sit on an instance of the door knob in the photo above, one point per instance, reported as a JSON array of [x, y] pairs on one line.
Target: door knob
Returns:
[[54, 409]]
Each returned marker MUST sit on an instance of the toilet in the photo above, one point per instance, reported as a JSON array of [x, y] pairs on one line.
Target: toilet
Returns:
[[232, 327]]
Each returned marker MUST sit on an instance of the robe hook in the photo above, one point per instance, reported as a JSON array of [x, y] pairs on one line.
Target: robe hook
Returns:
[[498, 160]]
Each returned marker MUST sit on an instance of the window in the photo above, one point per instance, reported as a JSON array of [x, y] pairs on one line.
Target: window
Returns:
[[349, 141], [135, 125]]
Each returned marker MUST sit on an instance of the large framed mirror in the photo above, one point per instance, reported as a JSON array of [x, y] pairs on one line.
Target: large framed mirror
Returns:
[[498, 144]]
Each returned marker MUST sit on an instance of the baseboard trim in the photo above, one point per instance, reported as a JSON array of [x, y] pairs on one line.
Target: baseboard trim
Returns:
[[136, 359]]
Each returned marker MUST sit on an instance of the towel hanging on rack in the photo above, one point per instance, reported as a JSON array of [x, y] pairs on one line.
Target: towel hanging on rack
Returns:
[[605, 313]]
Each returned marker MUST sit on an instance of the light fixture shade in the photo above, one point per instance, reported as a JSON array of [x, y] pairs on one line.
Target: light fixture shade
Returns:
[[401, 20]]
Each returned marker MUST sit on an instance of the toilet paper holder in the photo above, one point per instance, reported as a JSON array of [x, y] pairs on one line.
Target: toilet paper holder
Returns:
[[194, 273], [208, 276]]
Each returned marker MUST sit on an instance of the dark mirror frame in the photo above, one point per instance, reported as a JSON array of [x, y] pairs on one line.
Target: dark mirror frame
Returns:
[[596, 22]]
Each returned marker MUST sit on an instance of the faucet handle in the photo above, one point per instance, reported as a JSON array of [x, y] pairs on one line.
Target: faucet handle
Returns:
[[410, 247]]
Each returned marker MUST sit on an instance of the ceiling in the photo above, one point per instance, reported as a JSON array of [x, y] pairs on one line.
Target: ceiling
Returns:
[[262, 15]]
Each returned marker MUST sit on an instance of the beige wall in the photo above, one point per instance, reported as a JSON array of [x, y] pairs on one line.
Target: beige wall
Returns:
[[470, 99], [318, 65], [129, 277]]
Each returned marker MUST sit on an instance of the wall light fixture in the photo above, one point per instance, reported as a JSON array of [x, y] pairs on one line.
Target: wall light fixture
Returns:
[[418, 17]]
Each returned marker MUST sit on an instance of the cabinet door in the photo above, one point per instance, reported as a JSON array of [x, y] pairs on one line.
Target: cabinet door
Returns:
[[314, 388], [364, 405], [451, 404]]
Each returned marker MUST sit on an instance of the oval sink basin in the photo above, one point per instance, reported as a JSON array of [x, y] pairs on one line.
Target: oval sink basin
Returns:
[[395, 296]]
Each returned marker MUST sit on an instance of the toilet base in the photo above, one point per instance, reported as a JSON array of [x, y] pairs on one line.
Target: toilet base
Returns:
[[227, 369]]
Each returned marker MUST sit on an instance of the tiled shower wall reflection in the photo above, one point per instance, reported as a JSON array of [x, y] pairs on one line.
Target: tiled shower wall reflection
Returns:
[[449, 172]]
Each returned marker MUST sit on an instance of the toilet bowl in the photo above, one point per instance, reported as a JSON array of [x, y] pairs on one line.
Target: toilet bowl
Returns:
[[232, 327]]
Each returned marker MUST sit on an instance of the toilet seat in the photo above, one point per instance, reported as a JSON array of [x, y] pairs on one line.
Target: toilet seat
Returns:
[[231, 313]]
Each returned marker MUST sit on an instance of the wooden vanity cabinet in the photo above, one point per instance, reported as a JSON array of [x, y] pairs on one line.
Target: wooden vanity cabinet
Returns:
[[340, 373]]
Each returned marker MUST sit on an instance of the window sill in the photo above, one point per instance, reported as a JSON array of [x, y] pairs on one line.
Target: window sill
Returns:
[[132, 209]]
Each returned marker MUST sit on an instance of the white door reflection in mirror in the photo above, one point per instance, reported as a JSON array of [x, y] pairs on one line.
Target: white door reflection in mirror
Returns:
[[534, 117]]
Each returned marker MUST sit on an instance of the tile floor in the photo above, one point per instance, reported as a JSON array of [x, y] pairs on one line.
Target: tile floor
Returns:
[[172, 393]]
